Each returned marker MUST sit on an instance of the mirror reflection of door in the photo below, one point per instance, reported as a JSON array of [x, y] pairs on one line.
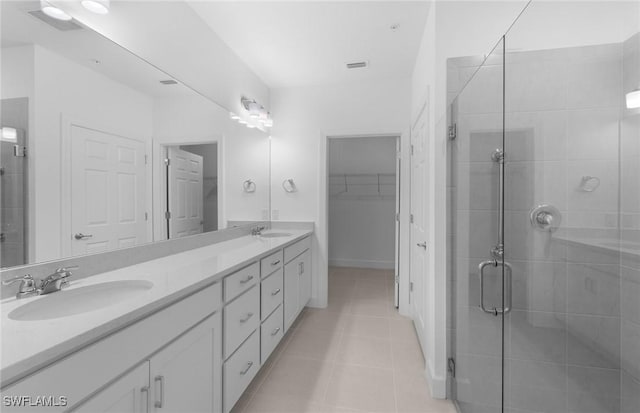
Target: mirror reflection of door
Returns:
[[192, 189], [108, 180]]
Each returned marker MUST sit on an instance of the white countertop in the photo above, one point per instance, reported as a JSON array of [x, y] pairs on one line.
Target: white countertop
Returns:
[[30, 345]]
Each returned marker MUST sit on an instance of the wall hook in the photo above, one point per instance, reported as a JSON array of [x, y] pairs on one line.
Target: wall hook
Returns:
[[289, 186], [249, 186]]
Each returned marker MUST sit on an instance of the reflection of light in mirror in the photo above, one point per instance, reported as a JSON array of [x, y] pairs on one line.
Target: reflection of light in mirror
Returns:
[[97, 6], [9, 135], [633, 99], [52, 11]]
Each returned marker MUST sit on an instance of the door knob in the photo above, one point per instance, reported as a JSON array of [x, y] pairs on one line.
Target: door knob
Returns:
[[80, 235]]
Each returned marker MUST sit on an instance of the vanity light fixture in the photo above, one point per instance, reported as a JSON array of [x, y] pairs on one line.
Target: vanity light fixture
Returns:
[[53, 11], [97, 6], [9, 134], [633, 99]]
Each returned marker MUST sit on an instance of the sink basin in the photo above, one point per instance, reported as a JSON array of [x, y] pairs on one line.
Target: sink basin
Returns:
[[275, 235], [79, 300]]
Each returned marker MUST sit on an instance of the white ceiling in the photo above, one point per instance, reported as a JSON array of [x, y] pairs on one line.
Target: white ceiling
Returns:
[[295, 43]]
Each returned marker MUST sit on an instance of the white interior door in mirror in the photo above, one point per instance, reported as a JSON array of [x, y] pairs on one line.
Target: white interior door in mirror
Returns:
[[185, 186], [108, 182]]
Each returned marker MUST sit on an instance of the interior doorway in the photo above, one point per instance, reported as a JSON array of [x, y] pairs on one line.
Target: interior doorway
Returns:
[[363, 230], [191, 189]]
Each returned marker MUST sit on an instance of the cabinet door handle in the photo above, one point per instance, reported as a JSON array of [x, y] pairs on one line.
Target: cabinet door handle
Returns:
[[246, 369], [276, 292], [145, 396], [246, 280], [160, 403], [274, 332], [244, 320], [276, 262]]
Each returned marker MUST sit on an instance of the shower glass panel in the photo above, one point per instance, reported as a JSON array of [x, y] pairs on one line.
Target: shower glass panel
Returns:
[[572, 339], [476, 232]]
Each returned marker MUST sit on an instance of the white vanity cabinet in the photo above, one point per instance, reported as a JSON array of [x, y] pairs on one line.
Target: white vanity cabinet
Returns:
[[181, 377], [128, 394], [297, 280], [182, 343]]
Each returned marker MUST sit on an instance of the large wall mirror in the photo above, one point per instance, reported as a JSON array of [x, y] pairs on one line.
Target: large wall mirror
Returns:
[[102, 150]]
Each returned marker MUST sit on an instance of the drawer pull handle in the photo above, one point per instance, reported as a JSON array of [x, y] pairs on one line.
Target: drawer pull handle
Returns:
[[145, 391], [244, 320], [246, 280], [160, 403], [276, 262], [246, 369], [276, 331], [276, 292]]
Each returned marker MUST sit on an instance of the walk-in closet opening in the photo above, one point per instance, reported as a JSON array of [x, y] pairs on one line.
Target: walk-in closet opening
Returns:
[[363, 202]]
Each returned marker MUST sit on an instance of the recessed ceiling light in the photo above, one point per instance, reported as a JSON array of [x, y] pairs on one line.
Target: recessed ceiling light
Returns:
[[52, 11], [97, 6]]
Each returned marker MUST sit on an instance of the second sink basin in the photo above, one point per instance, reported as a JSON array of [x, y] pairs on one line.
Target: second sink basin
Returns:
[[275, 234], [79, 300]]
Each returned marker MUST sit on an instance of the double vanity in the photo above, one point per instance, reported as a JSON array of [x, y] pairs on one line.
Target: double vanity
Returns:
[[186, 332]]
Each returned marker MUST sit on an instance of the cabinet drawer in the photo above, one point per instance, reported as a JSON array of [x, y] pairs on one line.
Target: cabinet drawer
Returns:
[[241, 317], [271, 291], [239, 370], [296, 249], [271, 263], [271, 333], [240, 281]]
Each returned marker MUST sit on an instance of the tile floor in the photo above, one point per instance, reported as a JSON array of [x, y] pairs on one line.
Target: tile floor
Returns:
[[357, 355]]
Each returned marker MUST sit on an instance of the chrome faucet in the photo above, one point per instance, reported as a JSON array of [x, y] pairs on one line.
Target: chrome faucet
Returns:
[[258, 230], [27, 286], [52, 283], [56, 281]]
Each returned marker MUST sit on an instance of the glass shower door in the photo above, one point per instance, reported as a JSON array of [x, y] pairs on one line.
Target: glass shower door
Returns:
[[572, 339], [476, 197]]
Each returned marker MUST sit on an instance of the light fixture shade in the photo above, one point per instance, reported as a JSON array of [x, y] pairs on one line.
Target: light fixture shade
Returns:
[[254, 110], [9, 134], [97, 6], [633, 99], [52, 11]]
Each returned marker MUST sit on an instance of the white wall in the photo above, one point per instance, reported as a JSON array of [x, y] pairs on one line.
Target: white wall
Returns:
[[171, 36], [65, 89], [361, 225], [304, 117]]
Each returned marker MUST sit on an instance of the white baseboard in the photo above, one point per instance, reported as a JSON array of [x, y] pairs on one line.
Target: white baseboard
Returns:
[[381, 265], [437, 384]]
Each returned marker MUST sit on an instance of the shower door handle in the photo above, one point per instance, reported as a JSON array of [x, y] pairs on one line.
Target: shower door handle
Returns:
[[506, 289]]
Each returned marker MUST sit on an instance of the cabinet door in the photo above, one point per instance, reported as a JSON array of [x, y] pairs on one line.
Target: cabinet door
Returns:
[[291, 293], [305, 278], [128, 394], [186, 375]]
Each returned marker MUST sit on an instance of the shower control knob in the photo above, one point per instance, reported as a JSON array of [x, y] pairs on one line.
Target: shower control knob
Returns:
[[545, 218]]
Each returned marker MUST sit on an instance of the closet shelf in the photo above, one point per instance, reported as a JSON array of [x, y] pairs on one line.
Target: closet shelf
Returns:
[[362, 186]]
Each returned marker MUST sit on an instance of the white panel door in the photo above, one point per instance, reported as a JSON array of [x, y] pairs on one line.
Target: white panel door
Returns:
[[418, 245], [108, 181], [129, 394], [185, 193]]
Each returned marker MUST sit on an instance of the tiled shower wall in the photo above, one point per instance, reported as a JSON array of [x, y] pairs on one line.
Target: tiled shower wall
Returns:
[[571, 338]]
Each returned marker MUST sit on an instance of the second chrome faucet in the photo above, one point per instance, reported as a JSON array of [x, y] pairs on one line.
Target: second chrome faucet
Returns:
[[51, 283]]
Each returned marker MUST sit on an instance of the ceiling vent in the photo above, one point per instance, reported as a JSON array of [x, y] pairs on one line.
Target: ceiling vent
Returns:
[[357, 65], [61, 25], [169, 82]]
